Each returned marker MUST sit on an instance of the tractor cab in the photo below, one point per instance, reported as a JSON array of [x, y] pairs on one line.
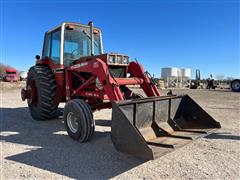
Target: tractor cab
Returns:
[[71, 41]]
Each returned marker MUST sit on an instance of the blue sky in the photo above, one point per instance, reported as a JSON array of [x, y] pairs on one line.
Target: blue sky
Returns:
[[196, 34]]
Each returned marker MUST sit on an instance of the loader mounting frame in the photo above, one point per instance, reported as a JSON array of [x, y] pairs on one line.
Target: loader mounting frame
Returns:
[[111, 91]]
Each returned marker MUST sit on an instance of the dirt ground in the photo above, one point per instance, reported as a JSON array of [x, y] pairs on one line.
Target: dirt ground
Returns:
[[42, 149]]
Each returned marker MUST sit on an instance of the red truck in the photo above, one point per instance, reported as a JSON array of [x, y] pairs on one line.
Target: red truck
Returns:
[[11, 75]]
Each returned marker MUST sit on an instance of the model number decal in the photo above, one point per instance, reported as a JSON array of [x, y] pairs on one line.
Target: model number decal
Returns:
[[91, 94], [78, 65]]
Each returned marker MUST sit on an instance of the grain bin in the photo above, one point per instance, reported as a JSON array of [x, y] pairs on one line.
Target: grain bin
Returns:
[[186, 73], [186, 77], [170, 76]]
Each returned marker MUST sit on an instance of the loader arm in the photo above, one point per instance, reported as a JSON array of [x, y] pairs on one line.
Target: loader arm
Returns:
[[111, 86], [137, 70]]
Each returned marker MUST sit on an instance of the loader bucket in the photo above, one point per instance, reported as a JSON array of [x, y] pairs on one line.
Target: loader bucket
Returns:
[[151, 127]]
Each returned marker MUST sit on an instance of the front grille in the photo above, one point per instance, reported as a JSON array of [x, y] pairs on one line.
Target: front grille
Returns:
[[117, 71]]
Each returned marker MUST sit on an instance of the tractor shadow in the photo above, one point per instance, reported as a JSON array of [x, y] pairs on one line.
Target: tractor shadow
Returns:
[[101, 122], [51, 149], [222, 135]]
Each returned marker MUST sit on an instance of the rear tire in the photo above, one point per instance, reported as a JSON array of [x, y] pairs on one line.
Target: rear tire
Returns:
[[78, 120], [43, 87], [235, 85]]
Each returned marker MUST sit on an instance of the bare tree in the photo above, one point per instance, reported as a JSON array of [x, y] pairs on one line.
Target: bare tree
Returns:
[[220, 77], [3, 68], [229, 78]]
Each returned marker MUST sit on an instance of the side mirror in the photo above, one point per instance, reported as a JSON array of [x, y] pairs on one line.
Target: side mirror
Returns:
[[37, 57]]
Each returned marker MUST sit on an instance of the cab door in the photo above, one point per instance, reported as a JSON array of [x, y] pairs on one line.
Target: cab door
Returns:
[[52, 54], [52, 46]]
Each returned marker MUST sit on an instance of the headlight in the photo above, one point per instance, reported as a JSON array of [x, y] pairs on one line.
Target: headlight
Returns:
[[111, 59], [125, 60], [118, 59]]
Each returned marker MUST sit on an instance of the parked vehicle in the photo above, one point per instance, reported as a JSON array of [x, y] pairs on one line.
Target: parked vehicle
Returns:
[[211, 83], [1, 77], [196, 83], [235, 85], [11, 75]]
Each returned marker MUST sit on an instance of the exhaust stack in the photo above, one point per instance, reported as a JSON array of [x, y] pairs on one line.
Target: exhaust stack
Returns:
[[92, 37]]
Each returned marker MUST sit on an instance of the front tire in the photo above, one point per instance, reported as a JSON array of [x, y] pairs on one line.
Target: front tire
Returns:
[[42, 85], [78, 120]]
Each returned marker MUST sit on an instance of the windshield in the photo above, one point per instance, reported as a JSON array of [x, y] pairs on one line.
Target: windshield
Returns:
[[77, 43], [11, 72]]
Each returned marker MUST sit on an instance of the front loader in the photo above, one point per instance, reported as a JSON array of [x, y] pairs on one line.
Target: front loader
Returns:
[[74, 69]]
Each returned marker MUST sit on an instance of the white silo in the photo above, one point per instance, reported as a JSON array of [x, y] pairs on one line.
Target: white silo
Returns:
[[186, 72], [22, 75], [186, 77], [170, 76]]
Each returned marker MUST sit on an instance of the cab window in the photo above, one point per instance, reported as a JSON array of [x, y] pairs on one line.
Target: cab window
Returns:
[[55, 47], [47, 46], [77, 44], [52, 46]]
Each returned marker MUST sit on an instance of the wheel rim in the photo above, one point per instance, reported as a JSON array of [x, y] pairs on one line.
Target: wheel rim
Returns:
[[72, 122], [31, 87], [236, 85]]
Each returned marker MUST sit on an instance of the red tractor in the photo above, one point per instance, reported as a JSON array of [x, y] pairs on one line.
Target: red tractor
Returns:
[[74, 69]]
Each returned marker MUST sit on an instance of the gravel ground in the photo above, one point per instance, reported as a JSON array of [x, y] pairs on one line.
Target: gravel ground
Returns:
[[42, 150]]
